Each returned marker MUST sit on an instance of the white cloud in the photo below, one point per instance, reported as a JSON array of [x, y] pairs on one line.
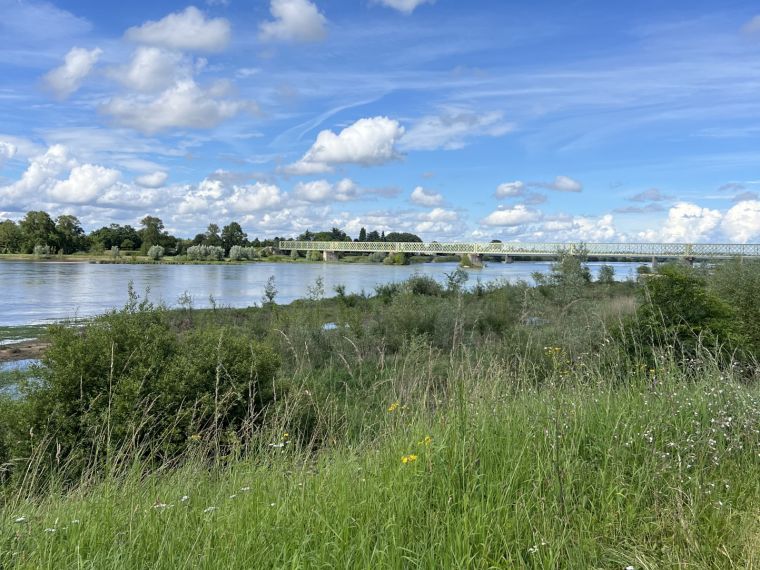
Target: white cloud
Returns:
[[438, 221], [516, 216], [188, 30], [184, 105], [254, 197], [294, 20], [67, 78], [424, 197], [84, 184], [742, 221], [452, 129], [651, 195], [405, 6], [561, 184], [7, 151], [582, 228], [510, 189], [368, 141], [324, 191], [689, 222], [152, 180], [202, 197], [152, 69], [39, 175]]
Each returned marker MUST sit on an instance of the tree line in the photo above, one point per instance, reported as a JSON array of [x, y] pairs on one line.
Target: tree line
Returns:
[[66, 235]]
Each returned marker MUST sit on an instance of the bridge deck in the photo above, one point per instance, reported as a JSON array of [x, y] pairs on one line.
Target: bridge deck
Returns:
[[515, 249]]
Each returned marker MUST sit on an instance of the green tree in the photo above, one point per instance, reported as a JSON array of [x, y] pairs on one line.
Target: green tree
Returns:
[[362, 234], [606, 275], [152, 231], [71, 236], [403, 237], [37, 228], [233, 234], [10, 237], [212, 237]]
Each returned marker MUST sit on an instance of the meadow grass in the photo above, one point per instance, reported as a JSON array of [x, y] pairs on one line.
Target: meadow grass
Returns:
[[585, 472]]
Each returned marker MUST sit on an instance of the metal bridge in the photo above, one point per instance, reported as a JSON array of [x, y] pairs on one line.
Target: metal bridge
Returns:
[[688, 251]]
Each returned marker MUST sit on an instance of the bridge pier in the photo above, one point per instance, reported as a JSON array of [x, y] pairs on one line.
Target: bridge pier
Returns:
[[475, 260], [329, 256], [508, 259]]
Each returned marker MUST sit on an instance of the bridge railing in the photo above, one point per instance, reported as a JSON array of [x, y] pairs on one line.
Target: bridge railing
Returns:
[[634, 250]]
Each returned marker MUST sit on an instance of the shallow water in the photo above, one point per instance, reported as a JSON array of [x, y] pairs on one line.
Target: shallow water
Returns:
[[35, 292]]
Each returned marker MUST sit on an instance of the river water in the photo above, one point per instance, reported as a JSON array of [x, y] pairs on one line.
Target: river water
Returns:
[[41, 292]]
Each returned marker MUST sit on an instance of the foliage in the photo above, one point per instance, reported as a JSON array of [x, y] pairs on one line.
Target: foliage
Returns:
[[402, 237], [233, 235], [377, 256], [737, 283], [37, 228], [42, 250], [156, 252], [677, 308], [205, 253], [397, 258], [270, 292], [606, 275], [11, 237], [239, 253]]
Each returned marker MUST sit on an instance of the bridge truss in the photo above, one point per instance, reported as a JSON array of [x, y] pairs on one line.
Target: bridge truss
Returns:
[[537, 249]]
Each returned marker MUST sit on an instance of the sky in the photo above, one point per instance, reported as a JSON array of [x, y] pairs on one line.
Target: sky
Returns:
[[575, 120]]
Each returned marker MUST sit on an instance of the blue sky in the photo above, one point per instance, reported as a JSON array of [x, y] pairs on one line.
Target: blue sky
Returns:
[[472, 120]]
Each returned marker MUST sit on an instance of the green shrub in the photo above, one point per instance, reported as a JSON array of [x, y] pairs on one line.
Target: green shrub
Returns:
[[127, 380], [397, 258], [156, 252], [205, 253], [606, 275], [239, 253], [737, 283], [377, 256], [42, 251]]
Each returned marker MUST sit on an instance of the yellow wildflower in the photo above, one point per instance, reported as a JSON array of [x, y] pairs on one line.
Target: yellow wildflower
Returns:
[[195, 437], [393, 407], [427, 440], [411, 458]]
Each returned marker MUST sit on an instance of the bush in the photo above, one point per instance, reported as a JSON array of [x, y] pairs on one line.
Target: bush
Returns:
[[115, 251], [239, 253], [606, 275], [127, 380], [205, 253], [737, 283], [42, 250], [156, 252], [423, 285], [678, 309], [377, 256], [397, 258], [314, 255]]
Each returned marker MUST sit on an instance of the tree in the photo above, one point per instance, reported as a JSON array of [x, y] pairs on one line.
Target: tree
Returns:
[[37, 228], [10, 237], [212, 236], [233, 234], [362, 234], [403, 237], [71, 236], [151, 232], [606, 275], [373, 236]]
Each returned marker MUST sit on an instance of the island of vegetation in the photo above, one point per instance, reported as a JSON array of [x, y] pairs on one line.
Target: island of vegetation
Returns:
[[571, 424]]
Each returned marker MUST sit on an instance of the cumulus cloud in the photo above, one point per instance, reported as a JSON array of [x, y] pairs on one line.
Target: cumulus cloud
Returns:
[[689, 222], [7, 151], [742, 221], [515, 216], [438, 220], [294, 20], [423, 197], [561, 184], [202, 197], [152, 180], [323, 191], [84, 184], [152, 69], [405, 6], [510, 189], [452, 129], [367, 142], [579, 228], [39, 175], [188, 30], [67, 78], [184, 105], [254, 197]]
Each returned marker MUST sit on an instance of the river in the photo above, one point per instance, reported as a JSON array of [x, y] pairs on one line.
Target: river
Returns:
[[41, 292]]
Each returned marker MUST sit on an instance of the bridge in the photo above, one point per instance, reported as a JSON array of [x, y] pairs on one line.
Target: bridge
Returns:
[[511, 250]]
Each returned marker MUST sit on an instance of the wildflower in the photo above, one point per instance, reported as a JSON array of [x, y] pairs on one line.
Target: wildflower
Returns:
[[272, 504], [20, 520], [184, 498], [195, 437], [285, 436], [233, 496], [75, 521], [629, 567], [427, 440], [162, 506], [277, 445], [393, 407], [245, 489], [411, 458], [209, 509], [49, 530]]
